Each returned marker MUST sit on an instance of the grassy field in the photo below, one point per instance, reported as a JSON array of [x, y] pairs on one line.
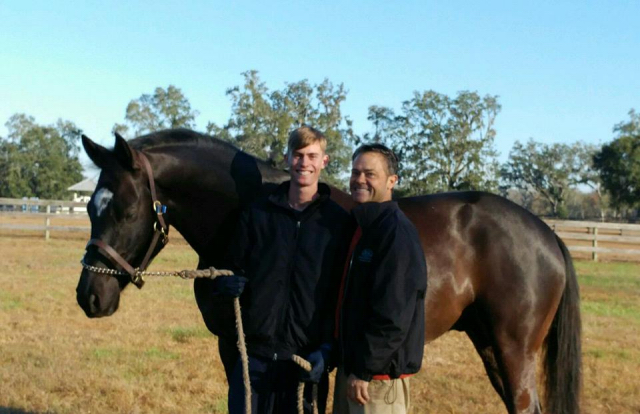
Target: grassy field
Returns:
[[155, 355]]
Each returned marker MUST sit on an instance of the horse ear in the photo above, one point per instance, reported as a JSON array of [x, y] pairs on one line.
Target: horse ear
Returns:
[[97, 153], [124, 153]]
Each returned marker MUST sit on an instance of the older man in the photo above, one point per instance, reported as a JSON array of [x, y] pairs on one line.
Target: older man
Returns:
[[380, 311]]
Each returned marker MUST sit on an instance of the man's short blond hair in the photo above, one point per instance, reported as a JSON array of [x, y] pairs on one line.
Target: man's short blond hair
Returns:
[[305, 136]]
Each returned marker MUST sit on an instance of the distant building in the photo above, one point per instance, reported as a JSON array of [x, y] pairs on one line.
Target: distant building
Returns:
[[82, 191]]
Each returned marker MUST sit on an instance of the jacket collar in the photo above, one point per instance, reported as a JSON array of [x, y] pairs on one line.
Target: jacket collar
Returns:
[[280, 196], [367, 214]]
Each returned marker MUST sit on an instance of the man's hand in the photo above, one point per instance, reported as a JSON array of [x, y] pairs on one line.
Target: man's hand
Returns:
[[357, 390], [318, 360], [230, 286]]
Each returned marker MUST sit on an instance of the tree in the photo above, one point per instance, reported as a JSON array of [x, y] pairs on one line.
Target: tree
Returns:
[[546, 169], [164, 109], [587, 175], [585, 206], [261, 120], [619, 163], [38, 160], [443, 143]]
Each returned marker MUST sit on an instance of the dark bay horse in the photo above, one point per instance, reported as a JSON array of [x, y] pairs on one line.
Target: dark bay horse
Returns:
[[496, 271]]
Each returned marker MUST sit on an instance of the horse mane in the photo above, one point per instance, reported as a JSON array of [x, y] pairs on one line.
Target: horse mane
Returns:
[[182, 137], [202, 142]]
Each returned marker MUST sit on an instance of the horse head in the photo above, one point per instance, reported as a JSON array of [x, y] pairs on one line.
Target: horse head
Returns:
[[126, 222]]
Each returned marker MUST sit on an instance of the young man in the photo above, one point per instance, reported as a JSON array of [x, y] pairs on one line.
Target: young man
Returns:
[[289, 250], [381, 306]]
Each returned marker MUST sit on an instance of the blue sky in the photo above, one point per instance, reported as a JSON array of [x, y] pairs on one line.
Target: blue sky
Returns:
[[564, 71]]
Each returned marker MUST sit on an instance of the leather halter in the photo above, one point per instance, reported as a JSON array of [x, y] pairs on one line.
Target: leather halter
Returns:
[[160, 232]]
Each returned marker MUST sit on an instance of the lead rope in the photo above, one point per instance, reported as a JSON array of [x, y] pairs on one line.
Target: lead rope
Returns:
[[212, 273], [244, 358], [304, 364]]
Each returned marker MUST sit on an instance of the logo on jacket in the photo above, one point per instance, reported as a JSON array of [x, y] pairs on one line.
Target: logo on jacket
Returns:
[[366, 255]]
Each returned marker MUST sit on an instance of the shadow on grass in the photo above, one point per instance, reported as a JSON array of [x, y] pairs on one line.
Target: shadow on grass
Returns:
[[12, 410]]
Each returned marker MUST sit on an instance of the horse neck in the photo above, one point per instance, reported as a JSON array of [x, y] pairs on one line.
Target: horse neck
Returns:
[[204, 191]]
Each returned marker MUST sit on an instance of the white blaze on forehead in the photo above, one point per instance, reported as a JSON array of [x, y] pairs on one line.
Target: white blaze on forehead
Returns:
[[101, 200]]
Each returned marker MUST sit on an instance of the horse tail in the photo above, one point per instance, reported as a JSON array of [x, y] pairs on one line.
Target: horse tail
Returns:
[[562, 347]]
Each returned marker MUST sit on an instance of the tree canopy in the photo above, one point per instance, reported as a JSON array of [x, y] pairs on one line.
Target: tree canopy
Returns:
[[261, 119], [163, 109], [548, 169], [619, 163], [39, 160], [443, 143]]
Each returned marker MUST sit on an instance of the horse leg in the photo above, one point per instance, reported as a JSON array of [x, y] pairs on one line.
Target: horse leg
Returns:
[[482, 339], [510, 369], [519, 377], [520, 321]]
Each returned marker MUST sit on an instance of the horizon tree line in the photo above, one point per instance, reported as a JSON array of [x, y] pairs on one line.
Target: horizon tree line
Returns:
[[444, 144]]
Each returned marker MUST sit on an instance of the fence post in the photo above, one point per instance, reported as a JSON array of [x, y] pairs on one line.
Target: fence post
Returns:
[[47, 222], [594, 244]]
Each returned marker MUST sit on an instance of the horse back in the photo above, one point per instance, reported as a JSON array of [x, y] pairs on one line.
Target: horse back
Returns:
[[480, 249]]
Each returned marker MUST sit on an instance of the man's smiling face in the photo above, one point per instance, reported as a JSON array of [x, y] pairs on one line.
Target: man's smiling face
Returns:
[[370, 179], [305, 164]]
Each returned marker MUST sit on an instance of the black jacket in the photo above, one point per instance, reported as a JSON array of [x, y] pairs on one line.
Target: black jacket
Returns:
[[293, 261], [381, 327]]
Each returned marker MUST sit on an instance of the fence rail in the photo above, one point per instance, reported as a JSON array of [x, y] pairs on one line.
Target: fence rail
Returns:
[[26, 213], [28, 222], [618, 240], [34, 202], [615, 240]]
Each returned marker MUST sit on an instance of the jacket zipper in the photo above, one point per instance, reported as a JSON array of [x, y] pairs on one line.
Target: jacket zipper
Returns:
[[285, 308]]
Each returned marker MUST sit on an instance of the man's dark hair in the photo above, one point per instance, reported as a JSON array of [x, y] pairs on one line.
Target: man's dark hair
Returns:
[[389, 156]]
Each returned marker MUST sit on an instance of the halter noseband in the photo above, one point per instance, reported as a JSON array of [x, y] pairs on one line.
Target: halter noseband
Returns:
[[160, 232]]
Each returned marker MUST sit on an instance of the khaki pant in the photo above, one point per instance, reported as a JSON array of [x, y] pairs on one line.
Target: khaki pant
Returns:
[[385, 397]]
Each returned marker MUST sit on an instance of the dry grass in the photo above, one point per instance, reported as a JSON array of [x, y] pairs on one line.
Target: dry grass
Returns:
[[155, 355]]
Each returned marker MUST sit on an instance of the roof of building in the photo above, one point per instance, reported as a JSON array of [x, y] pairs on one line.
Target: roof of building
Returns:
[[88, 184]]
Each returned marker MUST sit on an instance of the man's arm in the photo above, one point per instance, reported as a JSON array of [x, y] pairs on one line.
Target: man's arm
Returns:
[[240, 244], [396, 284], [339, 262], [324, 358], [219, 312], [236, 260]]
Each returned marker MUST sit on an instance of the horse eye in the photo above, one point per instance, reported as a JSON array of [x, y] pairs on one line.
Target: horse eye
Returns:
[[126, 212], [129, 214]]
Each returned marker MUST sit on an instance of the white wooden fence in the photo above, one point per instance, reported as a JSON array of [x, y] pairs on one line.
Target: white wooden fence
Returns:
[[615, 241], [29, 211], [50, 206]]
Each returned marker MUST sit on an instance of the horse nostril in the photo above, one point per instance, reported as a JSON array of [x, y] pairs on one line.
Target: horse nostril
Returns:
[[94, 303]]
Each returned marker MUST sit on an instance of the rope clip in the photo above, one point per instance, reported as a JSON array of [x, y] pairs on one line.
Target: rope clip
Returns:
[[137, 279]]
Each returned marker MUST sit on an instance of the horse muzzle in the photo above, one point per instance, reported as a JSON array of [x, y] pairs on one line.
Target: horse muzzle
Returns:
[[97, 295]]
